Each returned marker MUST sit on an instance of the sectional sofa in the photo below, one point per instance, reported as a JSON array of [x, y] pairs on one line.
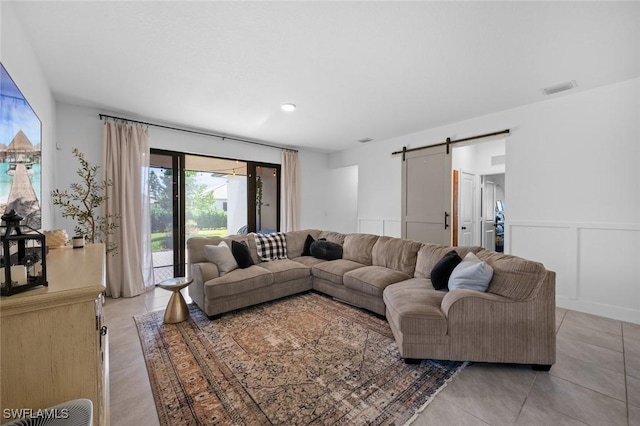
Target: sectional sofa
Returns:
[[512, 322]]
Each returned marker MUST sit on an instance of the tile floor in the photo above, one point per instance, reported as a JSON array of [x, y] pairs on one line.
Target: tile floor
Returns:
[[595, 381]]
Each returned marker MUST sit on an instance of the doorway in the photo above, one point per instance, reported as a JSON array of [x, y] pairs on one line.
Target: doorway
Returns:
[[492, 211], [481, 194], [201, 196]]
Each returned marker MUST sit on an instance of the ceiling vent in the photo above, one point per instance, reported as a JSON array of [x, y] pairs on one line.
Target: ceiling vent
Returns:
[[365, 140], [559, 88]]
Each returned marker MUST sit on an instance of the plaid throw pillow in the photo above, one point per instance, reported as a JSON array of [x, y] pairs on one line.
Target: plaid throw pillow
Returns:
[[271, 246]]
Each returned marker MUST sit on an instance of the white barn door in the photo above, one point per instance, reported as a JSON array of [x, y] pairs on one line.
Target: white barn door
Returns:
[[426, 196]]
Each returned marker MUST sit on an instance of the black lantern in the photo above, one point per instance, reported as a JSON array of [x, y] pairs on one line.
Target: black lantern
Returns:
[[22, 260]]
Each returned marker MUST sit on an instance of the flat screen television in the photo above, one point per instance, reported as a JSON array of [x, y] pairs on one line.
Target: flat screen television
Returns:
[[20, 154]]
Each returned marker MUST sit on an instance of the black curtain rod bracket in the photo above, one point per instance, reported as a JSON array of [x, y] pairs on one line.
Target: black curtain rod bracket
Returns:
[[197, 132]]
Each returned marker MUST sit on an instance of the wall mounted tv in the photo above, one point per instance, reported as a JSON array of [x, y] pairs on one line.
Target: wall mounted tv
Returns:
[[20, 154]]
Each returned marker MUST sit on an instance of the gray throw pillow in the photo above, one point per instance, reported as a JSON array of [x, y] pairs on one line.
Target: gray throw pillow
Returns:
[[471, 274], [221, 255]]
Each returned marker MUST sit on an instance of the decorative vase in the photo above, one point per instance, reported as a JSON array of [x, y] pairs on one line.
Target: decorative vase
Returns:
[[78, 241]]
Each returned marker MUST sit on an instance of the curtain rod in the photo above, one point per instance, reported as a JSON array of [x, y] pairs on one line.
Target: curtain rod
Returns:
[[449, 141], [197, 132]]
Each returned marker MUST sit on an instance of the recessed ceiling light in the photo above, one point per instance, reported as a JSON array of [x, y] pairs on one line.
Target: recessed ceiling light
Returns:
[[288, 107]]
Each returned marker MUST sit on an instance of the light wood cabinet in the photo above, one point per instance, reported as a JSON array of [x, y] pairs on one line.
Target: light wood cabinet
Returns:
[[53, 343]]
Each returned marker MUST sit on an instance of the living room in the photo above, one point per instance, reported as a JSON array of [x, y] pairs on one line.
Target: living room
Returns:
[[571, 158]]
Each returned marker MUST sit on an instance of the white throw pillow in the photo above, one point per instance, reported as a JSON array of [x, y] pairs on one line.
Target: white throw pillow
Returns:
[[471, 274], [222, 256]]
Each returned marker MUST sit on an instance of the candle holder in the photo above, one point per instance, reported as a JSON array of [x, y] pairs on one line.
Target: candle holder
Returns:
[[22, 256]]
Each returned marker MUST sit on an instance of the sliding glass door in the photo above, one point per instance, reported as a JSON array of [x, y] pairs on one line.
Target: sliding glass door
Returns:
[[194, 195]]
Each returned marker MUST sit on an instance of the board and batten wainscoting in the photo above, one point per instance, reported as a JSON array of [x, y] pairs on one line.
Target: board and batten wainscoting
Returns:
[[54, 345], [596, 265], [386, 226]]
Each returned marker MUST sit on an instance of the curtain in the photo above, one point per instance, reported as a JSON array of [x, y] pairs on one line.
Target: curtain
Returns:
[[290, 191], [126, 164]]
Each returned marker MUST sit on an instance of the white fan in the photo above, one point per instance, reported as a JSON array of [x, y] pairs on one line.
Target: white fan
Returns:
[[77, 412]]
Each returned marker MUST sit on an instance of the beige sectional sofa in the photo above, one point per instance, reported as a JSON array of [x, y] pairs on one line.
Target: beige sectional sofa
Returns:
[[513, 322]]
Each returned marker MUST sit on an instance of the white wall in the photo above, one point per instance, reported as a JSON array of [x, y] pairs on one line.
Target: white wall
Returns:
[[573, 188], [22, 65], [79, 127]]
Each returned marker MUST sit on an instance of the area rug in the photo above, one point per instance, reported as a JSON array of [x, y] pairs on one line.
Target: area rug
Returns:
[[301, 360]]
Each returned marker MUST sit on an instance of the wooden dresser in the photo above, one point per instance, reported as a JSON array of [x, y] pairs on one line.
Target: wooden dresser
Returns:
[[53, 343]]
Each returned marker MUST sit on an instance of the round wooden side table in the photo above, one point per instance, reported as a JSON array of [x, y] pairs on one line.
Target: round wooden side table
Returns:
[[177, 310]]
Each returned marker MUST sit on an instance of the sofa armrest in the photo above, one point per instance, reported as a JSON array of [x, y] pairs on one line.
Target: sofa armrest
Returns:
[[494, 328], [205, 271], [201, 273], [462, 296]]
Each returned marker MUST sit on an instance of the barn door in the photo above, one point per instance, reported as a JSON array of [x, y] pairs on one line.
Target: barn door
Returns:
[[426, 195]]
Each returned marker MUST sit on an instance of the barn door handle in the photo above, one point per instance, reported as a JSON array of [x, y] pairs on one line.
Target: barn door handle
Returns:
[[446, 217]]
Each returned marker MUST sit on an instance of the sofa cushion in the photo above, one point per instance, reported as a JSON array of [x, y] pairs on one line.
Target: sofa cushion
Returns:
[[271, 246], [296, 241], [414, 307], [325, 250], [286, 270], [471, 274], [372, 280], [513, 277], [238, 281], [336, 237], [308, 260], [222, 256], [442, 270], [396, 253], [334, 270], [358, 247], [430, 254], [240, 251]]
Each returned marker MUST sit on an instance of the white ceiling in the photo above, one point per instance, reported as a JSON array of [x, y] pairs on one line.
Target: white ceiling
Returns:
[[355, 69]]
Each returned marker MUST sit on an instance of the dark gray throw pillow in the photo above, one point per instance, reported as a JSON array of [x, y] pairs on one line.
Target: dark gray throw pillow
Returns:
[[326, 250], [241, 253], [442, 271], [306, 251]]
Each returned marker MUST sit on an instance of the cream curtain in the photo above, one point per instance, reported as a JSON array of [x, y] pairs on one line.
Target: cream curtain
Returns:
[[126, 164], [290, 191]]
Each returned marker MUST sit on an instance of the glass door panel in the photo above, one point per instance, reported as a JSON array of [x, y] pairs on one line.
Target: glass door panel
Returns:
[[216, 196], [167, 238], [265, 193]]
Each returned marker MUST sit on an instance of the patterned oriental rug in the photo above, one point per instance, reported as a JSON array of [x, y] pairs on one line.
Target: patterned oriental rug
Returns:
[[301, 360]]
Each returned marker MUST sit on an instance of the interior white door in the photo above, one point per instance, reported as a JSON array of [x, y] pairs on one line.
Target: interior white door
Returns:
[[488, 218], [426, 196], [466, 209]]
